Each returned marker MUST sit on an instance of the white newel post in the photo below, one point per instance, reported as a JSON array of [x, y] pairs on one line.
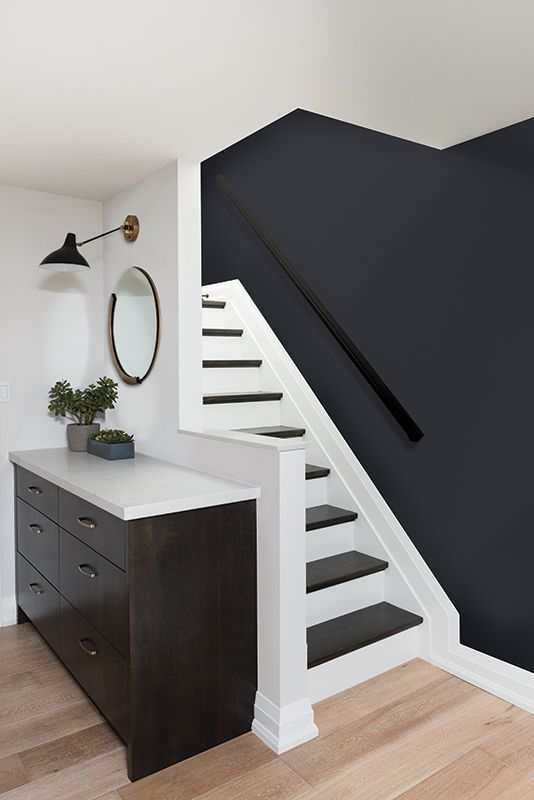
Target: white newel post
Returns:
[[283, 712]]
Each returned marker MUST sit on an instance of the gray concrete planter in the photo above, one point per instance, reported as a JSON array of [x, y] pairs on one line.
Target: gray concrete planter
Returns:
[[77, 435], [113, 452]]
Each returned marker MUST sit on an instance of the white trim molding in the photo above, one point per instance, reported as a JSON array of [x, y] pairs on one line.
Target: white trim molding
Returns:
[[8, 611], [282, 728]]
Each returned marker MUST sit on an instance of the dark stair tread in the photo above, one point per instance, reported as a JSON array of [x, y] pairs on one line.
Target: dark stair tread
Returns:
[[341, 568], [230, 363], [325, 516], [316, 472], [277, 431], [241, 397], [342, 635], [213, 303], [222, 332]]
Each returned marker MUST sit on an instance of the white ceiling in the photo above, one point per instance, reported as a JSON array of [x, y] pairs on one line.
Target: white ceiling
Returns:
[[95, 95]]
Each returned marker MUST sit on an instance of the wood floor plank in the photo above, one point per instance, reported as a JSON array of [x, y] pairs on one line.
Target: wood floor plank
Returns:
[[385, 754], [475, 776], [14, 661], [202, 773], [515, 746], [24, 703], [95, 777], [16, 682], [67, 751], [353, 704], [272, 780], [322, 758], [45, 727], [109, 796], [12, 774]]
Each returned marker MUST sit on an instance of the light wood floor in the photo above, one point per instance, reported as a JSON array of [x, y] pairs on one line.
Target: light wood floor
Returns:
[[414, 733]]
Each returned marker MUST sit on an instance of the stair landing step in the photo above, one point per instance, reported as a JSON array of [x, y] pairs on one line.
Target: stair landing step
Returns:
[[277, 431], [343, 635], [324, 516], [222, 332], [341, 568], [316, 472], [241, 397], [231, 363], [214, 304]]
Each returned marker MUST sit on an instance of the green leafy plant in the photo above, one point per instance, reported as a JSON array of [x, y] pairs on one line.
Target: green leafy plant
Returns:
[[112, 436], [82, 405]]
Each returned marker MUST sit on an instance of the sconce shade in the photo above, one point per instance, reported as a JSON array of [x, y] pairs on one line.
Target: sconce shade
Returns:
[[66, 259]]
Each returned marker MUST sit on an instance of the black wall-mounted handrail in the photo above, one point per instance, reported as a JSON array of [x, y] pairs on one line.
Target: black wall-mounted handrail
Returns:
[[410, 427]]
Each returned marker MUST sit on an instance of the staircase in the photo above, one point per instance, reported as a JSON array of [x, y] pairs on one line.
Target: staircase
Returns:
[[350, 583]]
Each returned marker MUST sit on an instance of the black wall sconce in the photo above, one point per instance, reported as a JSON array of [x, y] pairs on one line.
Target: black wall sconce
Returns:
[[68, 259]]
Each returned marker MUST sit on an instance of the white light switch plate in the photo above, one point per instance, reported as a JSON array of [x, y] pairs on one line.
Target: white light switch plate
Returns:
[[5, 392]]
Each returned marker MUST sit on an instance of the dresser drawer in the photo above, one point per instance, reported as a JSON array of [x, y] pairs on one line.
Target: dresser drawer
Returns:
[[39, 601], [103, 532], [95, 586], [38, 541], [96, 665], [39, 493]]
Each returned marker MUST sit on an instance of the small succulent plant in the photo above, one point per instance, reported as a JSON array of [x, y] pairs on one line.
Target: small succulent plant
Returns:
[[112, 436]]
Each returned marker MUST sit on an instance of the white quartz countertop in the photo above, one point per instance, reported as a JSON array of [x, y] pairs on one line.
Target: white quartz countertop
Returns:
[[135, 487]]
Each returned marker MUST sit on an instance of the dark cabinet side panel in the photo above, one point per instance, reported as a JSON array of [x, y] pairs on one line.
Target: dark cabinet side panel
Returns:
[[193, 643]]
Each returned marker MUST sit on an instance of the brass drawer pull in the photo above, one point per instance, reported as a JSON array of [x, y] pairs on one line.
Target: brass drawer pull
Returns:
[[86, 522], [36, 589], [85, 569], [35, 528], [88, 647], [35, 490]]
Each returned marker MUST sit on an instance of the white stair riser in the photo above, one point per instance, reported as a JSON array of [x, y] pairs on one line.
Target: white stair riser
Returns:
[[330, 541], [316, 492], [215, 318], [231, 379], [228, 416], [344, 598], [354, 668], [222, 347]]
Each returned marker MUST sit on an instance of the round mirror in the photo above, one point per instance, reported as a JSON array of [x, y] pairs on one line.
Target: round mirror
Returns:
[[134, 325]]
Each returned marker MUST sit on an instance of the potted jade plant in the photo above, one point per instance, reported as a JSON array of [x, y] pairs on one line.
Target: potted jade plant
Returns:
[[111, 444], [82, 406]]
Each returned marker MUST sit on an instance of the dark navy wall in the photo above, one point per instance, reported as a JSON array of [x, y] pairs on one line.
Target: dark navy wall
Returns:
[[426, 258]]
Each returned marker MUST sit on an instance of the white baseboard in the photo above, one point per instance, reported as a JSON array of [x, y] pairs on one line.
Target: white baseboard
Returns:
[[8, 611], [281, 729], [510, 683]]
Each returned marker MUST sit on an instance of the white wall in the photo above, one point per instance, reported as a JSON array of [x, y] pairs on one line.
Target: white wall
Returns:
[[149, 410], [51, 327]]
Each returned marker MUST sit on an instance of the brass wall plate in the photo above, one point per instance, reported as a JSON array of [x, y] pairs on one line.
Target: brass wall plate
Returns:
[[131, 228]]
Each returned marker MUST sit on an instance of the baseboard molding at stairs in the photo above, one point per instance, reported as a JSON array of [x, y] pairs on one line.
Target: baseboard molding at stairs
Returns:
[[8, 611], [510, 683], [281, 729]]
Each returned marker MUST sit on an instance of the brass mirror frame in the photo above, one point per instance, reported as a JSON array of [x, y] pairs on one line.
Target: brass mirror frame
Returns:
[[125, 376]]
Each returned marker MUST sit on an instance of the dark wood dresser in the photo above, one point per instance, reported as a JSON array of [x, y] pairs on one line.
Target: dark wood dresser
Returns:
[[154, 617]]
